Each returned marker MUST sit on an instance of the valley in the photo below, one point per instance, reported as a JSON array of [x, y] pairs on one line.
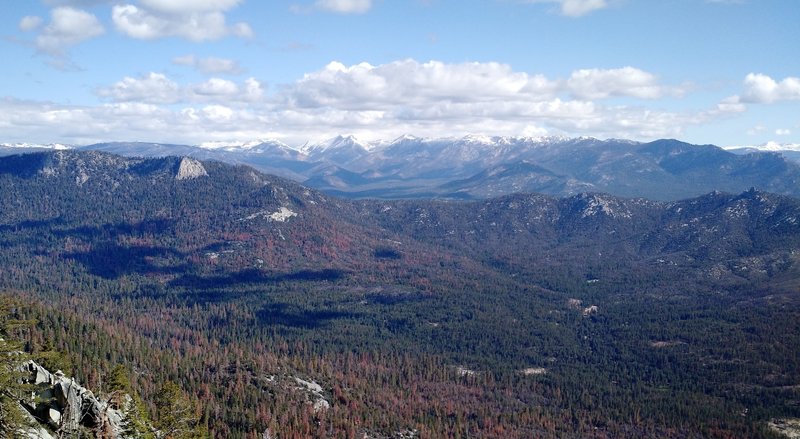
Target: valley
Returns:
[[523, 315]]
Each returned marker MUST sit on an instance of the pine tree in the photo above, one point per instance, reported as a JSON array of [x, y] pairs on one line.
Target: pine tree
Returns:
[[176, 414], [136, 423], [12, 389]]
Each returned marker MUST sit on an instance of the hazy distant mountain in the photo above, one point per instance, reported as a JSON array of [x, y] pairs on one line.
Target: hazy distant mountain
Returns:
[[789, 150], [476, 167]]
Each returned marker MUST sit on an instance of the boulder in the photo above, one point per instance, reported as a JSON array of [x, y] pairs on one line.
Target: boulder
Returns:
[[63, 405]]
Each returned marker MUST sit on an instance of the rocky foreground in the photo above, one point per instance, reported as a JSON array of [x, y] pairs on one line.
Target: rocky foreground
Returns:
[[60, 407]]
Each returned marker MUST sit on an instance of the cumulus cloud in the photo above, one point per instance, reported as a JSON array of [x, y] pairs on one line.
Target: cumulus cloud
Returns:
[[373, 101], [202, 20], [783, 132], [126, 121], [77, 3], [731, 104], [157, 88], [627, 81], [575, 8], [762, 89], [345, 6], [408, 82], [217, 87], [29, 23], [181, 7], [210, 65], [67, 27], [154, 88], [337, 6]]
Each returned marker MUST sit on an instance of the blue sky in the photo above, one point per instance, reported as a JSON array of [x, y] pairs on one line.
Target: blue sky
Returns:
[[725, 72]]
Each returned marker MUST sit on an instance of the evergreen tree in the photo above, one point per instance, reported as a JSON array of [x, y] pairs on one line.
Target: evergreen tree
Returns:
[[176, 417], [12, 419], [121, 396]]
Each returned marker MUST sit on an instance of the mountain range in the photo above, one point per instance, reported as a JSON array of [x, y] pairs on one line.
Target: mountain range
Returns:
[[523, 315], [480, 167]]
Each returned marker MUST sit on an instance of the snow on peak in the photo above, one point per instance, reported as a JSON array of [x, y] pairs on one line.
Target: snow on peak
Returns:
[[479, 138], [336, 143], [55, 146], [250, 145], [769, 146], [406, 138]]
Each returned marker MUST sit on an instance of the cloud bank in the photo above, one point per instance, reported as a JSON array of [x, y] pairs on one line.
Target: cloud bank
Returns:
[[372, 101]]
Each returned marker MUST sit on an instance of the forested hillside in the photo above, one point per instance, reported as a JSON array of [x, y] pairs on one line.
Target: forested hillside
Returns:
[[281, 309]]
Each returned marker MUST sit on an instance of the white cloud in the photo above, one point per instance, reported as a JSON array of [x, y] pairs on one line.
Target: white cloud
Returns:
[[78, 3], [154, 88], [193, 20], [157, 88], [408, 82], [253, 91], [183, 7], [762, 89], [210, 65], [731, 104], [68, 27], [575, 8], [345, 6], [29, 23], [603, 83], [242, 30], [382, 101], [217, 87], [783, 132]]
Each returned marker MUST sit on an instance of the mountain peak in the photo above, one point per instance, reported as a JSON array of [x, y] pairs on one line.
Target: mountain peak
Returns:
[[769, 147], [339, 150], [189, 168], [404, 138], [250, 145]]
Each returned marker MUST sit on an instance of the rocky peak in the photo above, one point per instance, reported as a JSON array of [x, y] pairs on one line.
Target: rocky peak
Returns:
[[189, 168]]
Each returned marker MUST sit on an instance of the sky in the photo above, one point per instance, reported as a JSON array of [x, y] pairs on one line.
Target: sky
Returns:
[[723, 72]]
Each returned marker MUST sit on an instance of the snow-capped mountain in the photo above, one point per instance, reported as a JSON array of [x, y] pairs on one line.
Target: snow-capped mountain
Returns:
[[769, 146], [340, 150], [24, 145], [267, 147], [789, 150], [477, 166]]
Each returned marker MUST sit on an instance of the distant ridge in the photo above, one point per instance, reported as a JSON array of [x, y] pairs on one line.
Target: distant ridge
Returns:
[[477, 167]]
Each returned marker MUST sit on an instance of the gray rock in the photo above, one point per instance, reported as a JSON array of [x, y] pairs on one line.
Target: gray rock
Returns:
[[68, 400], [190, 168], [39, 374], [65, 406]]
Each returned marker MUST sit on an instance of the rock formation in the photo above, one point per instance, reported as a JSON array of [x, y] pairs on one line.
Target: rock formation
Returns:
[[189, 168], [61, 405]]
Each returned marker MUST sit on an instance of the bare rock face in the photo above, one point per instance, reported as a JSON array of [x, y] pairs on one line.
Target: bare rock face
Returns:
[[64, 406], [190, 168]]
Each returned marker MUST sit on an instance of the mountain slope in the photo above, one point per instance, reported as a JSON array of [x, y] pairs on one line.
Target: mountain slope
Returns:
[[449, 317], [479, 167]]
